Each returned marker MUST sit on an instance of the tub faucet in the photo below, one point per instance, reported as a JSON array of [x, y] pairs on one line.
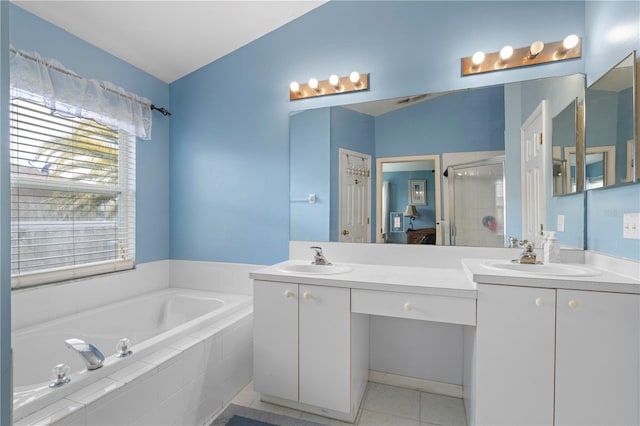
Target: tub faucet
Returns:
[[91, 355], [319, 258]]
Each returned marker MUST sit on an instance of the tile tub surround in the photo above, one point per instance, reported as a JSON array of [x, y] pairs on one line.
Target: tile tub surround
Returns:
[[43, 303], [187, 382], [40, 304]]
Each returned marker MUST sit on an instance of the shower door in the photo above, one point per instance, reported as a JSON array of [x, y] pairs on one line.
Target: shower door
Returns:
[[477, 207]]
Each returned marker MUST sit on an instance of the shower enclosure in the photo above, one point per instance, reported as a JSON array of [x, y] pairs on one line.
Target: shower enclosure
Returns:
[[477, 207]]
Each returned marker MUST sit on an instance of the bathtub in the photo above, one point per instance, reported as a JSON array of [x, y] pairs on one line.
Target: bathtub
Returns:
[[170, 319]]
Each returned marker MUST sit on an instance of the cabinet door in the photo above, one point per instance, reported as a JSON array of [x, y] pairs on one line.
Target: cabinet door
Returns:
[[597, 358], [514, 355], [275, 339], [325, 347]]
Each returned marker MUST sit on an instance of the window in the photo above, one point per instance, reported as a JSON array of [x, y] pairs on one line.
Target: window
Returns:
[[72, 197]]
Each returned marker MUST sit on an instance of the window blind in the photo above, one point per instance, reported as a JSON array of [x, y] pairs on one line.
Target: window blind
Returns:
[[72, 196]]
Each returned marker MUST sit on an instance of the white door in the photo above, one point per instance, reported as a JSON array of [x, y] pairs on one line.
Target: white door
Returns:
[[536, 147], [325, 341], [597, 358], [275, 339], [515, 343], [355, 197]]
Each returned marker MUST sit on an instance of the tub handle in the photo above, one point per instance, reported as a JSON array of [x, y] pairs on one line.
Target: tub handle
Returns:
[[59, 375], [123, 347]]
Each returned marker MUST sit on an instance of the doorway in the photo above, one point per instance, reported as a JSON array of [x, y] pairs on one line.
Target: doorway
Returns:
[[406, 163]]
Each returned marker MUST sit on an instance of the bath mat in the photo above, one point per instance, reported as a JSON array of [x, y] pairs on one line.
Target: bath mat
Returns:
[[237, 415]]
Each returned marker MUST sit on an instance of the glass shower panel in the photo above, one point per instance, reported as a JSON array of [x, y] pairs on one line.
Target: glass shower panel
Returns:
[[477, 194]]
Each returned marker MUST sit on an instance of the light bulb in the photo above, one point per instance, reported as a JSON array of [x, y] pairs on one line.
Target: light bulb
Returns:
[[535, 48], [354, 77], [506, 52], [313, 83], [294, 87], [334, 80], [570, 42], [477, 58]]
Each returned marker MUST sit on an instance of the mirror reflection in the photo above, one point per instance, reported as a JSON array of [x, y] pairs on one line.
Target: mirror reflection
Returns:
[[365, 167], [610, 140], [566, 140]]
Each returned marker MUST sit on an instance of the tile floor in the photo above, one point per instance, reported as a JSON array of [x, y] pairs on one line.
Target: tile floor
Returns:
[[383, 405]]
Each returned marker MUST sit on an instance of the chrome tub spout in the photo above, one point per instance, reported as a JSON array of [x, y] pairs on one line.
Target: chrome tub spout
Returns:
[[91, 355]]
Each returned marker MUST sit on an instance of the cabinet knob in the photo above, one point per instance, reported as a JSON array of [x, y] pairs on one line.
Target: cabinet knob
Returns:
[[540, 302], [408, 306], [306, 295], [573, 304], [288, 294]]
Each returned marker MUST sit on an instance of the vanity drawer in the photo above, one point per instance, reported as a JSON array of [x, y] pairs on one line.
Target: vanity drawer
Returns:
[[455, 310]]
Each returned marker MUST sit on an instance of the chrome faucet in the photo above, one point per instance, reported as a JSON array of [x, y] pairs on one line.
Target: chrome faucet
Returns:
[[513, 242], [91, 355], [528, 255], [319, 258]]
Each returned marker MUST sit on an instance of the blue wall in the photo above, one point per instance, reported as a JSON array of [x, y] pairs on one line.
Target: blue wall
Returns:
[[233, 114], [471, 120], [32, 34], [613, 33]]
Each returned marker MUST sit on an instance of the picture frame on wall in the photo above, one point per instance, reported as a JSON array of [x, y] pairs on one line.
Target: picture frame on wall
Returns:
[[397, 222], [418, 192]]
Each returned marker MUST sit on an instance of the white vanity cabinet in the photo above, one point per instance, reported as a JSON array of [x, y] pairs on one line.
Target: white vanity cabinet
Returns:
[[563, 357], [309, 347]]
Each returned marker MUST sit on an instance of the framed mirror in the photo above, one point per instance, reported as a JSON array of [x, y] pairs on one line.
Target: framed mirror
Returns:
[[610, 137], [351, 167]]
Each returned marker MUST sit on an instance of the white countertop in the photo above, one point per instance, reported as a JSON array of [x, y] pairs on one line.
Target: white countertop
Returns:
[[407, 279], [480, 271]]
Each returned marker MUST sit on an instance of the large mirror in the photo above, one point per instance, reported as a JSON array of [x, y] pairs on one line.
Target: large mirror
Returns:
[[611, 145], [447, 168]]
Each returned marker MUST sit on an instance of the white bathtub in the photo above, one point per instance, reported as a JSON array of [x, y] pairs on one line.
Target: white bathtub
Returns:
[[152, 322]]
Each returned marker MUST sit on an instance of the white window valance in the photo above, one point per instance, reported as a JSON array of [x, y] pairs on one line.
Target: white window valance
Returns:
[[66, 93]]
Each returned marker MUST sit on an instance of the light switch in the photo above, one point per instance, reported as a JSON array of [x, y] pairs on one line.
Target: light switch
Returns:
[[631, 224], [560, 224]]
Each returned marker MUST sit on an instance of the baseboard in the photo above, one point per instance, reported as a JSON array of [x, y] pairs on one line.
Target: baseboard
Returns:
[[421, 385]]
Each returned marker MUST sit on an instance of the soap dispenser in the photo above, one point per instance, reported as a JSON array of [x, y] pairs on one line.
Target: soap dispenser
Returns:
[[551, 248]]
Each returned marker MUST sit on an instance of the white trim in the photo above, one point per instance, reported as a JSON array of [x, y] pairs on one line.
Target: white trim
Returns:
[[421, 385], [69, 273], [609, 152]]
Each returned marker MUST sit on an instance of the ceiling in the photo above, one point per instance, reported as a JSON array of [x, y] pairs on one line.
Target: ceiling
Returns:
[[169, 39]]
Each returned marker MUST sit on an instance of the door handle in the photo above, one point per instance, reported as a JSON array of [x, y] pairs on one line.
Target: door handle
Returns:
[[345, 232]]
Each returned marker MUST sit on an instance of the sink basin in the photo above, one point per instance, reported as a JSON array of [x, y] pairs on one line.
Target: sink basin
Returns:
[[557, 269], [310, 268]]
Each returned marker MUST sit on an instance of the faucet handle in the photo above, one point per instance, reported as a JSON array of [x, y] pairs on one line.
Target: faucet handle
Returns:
[[317, 249]]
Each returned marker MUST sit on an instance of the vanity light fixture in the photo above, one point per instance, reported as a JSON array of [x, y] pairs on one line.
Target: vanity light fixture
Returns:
[[537, 53], [506, 52], [334, 80], [313, 83], [352, 83], [477, 58], [535, 49], [570, 42]]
